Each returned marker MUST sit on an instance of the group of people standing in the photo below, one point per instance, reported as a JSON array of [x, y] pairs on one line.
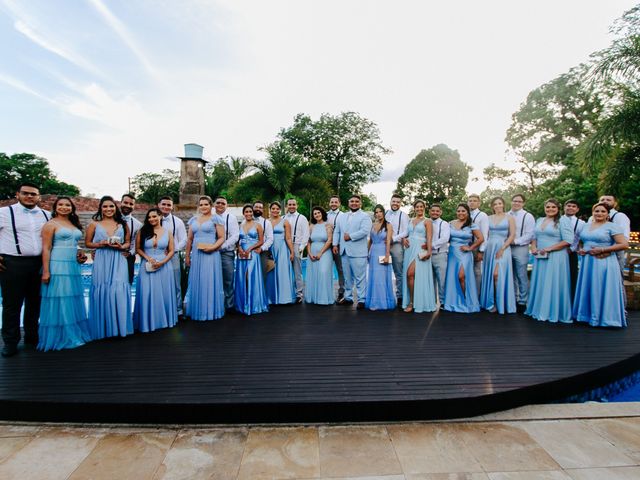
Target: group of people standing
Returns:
[[418, 263]]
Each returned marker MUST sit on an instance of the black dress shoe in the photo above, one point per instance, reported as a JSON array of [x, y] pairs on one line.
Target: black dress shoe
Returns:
[[9, 350], [520, 308], [298, 300], [360, 306], [344, 301]]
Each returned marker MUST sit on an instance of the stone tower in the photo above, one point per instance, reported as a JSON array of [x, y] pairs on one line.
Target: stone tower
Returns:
[[191, 175]]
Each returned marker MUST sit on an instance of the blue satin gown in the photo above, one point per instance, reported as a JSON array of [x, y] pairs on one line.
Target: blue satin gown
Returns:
[[424, 293], [498, 294], [63, 317], [318, 285], [380, 293], [455, 300], [204, 299], [550, 286], [249, 294], [110, 294], [281, 286], [155, 305], [600, 297]]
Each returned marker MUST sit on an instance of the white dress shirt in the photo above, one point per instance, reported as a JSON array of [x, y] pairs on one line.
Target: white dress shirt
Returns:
[[525, 227], [29, 224], [576, 226], [400, 223], [622, 221], [332, 217], [441, 234], [134, 226], [231, 231], [299, 229], [267, 233], [176, 226], [481, 219]]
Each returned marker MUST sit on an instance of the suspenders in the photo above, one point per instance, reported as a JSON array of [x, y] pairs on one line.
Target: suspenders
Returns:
[[295, 227], [226, 230], [474, 218], [15, 231], [613, 216], [524, 217]]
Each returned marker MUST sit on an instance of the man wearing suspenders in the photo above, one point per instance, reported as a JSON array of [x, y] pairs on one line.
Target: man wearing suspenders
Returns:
[[481, 219], [400, 223], [267, 228], [332, 217], [300, 238], [439, 249], [228, 249], [127, 204], [525, 226], [179, 232], [571, 209], [21, 267], [619, 219]]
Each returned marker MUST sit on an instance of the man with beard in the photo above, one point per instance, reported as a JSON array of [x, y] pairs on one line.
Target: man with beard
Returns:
[[176, 227], [228, 249], [127, 204], [299, 237], [619, 219], [400, 223], [332, 217], [267, 228]]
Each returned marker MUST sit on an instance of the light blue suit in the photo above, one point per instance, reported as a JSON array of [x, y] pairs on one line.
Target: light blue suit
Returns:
[[353, 252]]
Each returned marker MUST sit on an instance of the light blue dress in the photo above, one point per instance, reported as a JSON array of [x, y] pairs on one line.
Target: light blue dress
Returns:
[[281, 283], [318, 286], [204, 299], [155, 305], [63, 317], [110, 294], [455, 300], [250, 297], [499, 294], [380, 294], [424, 293], [550, 286], [600, 294]]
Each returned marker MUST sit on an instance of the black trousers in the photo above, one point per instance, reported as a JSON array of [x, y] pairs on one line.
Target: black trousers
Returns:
[[131, 260], [573, 272], [20, 283]]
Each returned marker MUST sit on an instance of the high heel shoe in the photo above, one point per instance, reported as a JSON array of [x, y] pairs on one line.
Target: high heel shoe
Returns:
[[409, 308]]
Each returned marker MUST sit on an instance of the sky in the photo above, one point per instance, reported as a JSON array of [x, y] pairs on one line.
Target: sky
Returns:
[[108, 89]]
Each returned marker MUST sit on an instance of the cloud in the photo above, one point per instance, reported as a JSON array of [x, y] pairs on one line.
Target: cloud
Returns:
[[20, 85]]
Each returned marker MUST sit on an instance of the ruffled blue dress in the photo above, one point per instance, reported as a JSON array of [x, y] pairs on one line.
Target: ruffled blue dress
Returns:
[[249, 295], [318, 286], [110, 294], [424, 293], [155, 305], [455, 300], [380, 293], [600, 297], [498, 294], [550, 286], [63, 317], [281, 283], [204, 299]]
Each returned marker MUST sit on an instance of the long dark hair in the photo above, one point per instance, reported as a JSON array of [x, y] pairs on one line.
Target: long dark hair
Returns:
[[322, 211], [118, 215], [146, 230], [466, 207], [73, 216], [384, 224], [556, 217]]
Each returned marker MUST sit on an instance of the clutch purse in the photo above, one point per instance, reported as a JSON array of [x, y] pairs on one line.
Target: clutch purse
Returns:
[[149, 268], [542, 255], [423, 254], [202, 246], [381, 259]]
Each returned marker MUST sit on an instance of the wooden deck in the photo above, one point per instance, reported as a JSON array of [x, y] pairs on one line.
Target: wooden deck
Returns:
[[308, 364]]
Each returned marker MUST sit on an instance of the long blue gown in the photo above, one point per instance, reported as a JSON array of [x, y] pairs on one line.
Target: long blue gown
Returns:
[[110, 294], [424, 293], [600, 297], [155, 305], [550, 286], [249, 295], [455, 300], [204, 299], [380, 294], [318, 286], [63, 317], [499, 294], [281, 286]]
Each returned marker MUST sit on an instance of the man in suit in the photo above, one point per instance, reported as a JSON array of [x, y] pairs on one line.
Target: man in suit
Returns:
[[350, 240]]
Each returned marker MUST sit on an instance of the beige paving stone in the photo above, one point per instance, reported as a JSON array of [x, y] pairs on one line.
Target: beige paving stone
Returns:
[[624, 433], [432, 448], [376, 477], [212, 455], [448, 476], [10, 445], [503, 448], [574, 445], [546, 475], [565, 411], [357, 452], [18, 431], [125, 456], [51, 456], [280, 453], [613, 473]]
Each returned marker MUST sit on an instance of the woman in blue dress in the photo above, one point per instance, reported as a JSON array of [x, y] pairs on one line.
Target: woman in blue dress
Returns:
[[497, 292], [281, 286], [380, 294], [110, 294], [550, 286], [204, 299], [318, 285], [155, 305], [249, 294], [460, 291], [63, 317], [418, 291], [600, 297]]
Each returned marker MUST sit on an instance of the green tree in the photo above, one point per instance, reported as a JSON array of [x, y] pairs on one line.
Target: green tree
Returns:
[[224, 174], [149, 187], [27, 167], [434, 175]]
